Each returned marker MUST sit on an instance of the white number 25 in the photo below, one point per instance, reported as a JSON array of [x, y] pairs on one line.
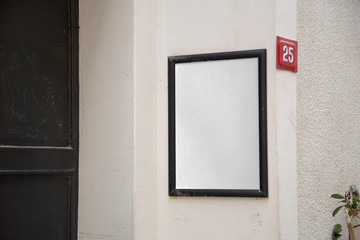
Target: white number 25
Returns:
[[288, 55]]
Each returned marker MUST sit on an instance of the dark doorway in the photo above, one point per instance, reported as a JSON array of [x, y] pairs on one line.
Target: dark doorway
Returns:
[[38, 119]]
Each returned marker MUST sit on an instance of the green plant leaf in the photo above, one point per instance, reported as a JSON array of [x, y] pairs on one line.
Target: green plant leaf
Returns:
[[354, 190], [337, 236], [336, 211], [337, 196], [337, 228], [336, 232]]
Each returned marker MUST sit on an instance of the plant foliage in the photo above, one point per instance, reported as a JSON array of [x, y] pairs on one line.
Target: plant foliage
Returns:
[[350, 203], [336, 231]]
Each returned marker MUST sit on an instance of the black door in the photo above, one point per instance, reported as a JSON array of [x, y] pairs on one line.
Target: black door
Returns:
[[38, 119]]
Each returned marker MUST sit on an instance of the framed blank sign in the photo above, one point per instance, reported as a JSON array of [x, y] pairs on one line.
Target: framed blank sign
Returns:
[[217, 124]]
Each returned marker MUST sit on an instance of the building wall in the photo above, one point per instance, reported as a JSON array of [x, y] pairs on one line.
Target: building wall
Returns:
[[168, 27], [223, 25], [106, 120], [124, 47], [285, 133], [328, 113]]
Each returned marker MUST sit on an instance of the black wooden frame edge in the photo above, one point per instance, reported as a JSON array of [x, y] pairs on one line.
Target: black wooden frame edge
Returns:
[[217, 56], [263, 191], [171, 128], [218, 193], [263, 123]]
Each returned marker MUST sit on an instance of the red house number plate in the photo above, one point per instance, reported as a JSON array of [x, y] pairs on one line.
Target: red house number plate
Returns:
[[287, 51]]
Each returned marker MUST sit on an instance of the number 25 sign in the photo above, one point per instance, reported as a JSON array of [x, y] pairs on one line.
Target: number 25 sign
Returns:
[[286, 54]]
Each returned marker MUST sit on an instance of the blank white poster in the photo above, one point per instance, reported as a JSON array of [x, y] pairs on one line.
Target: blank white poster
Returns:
[[217, 124]]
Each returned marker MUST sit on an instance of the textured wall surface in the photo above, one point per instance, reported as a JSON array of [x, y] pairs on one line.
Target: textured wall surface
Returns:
[[328, 110]]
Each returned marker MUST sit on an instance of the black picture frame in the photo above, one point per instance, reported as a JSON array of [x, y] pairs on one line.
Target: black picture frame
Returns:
[[262, 191]]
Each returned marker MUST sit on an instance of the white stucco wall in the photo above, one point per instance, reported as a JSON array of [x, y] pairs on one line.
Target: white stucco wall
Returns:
[[168, 27], [328, 113], [106, 120], [285, 132], [124, 47], [206, 26]]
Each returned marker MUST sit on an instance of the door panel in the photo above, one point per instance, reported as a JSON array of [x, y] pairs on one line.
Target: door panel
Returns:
[[34, 58], [38, 119], [27, 213]]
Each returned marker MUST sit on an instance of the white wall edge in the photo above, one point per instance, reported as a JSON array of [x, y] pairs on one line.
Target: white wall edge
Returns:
[[285, 26]]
